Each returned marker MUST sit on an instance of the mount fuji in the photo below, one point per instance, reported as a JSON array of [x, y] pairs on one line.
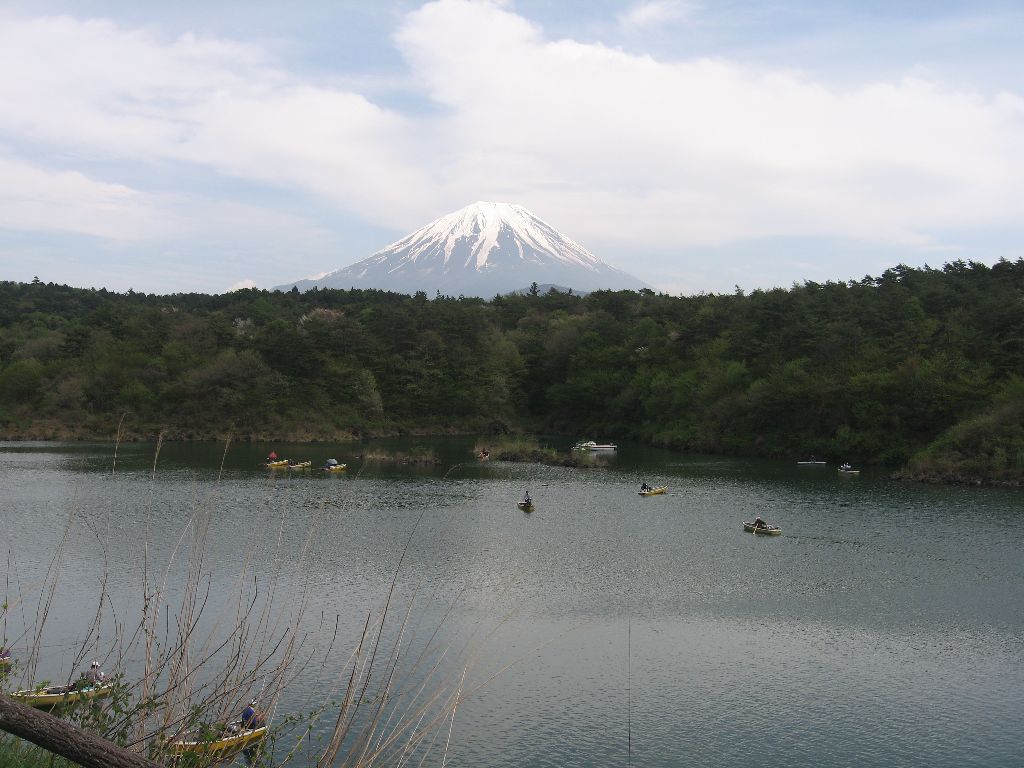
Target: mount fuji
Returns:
[[481, 250]]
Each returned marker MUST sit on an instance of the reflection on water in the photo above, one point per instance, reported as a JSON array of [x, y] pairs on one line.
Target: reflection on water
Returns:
[[884, 627]]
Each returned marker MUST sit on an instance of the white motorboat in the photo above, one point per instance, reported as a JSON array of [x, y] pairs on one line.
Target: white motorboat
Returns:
[[590, 445]]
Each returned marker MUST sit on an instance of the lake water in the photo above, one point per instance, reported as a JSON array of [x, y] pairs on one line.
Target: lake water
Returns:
[[885, 627]]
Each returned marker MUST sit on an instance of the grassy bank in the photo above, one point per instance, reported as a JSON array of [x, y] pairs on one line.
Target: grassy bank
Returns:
[[986, 449], [529, 450]]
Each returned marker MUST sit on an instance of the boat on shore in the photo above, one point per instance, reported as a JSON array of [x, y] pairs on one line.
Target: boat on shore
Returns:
[[222, 743], [654, 491], [766, 530], [47, 698], [590, 445]]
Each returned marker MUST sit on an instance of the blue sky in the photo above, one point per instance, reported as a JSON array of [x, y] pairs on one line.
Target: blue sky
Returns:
[[203, 146]]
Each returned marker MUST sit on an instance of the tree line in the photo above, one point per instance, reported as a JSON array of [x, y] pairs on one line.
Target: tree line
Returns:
[[915, 368]]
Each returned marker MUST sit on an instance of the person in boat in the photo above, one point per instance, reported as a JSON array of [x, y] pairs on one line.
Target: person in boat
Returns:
[[846, 466], [251, 718], [272, 456], [527, 499], [759, 523], [331, 463], [91, 678], [644, 487]]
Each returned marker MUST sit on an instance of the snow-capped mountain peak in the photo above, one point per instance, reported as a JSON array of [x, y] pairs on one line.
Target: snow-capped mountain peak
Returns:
[[482, 225], [482, 249]]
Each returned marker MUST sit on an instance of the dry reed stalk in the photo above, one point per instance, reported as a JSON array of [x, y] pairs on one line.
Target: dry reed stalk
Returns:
[[49, 588], [187, 674], [390, 734], [117, 442], [156, 453], [192, 672], [238, 668]]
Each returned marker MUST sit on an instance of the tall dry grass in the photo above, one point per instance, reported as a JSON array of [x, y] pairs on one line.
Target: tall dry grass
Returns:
[[194, 656]]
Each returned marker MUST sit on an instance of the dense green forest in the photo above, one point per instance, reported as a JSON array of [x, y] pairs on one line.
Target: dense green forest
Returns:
[[918, 368]]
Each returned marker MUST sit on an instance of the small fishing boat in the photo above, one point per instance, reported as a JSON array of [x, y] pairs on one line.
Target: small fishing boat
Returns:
[[812, 463], [768, 530], [47, 698], [301, 465], [526, 506], [278, 464], [221, 743], [590, 445], [654, 491], [846, 469]]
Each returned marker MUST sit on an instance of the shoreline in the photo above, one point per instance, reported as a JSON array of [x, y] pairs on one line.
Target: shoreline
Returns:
[[949, 478], [533, 454]]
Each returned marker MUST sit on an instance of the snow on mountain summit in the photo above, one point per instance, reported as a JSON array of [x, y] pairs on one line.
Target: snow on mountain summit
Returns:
[[485, 227], [480, 250]]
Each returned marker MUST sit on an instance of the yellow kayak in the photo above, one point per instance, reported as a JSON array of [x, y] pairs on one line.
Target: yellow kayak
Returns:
[[336, 468], [231, 740], [47, 698], [654, 491], [276, 464], [301, 465]]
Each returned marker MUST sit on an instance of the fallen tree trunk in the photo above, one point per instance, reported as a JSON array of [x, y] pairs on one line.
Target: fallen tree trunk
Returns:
[[63, 738]]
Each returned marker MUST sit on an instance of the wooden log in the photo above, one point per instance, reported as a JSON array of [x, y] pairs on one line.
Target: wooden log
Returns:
[[63, 738]]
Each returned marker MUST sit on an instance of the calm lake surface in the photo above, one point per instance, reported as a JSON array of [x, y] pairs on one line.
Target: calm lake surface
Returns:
[[885, 627]]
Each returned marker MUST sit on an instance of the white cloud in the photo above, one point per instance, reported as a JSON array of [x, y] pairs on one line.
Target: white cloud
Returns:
[[95, 89], [612, 147], [655, 13], [242, 284], [95, 85], [33, 198]]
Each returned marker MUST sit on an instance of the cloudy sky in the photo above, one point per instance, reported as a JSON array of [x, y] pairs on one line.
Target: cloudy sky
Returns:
[[697, 144]]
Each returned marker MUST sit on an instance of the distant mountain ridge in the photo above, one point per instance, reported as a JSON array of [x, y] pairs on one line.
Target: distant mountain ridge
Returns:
[[481, 250]]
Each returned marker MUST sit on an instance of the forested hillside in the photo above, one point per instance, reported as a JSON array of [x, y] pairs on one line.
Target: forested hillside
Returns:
[[918, 366]]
